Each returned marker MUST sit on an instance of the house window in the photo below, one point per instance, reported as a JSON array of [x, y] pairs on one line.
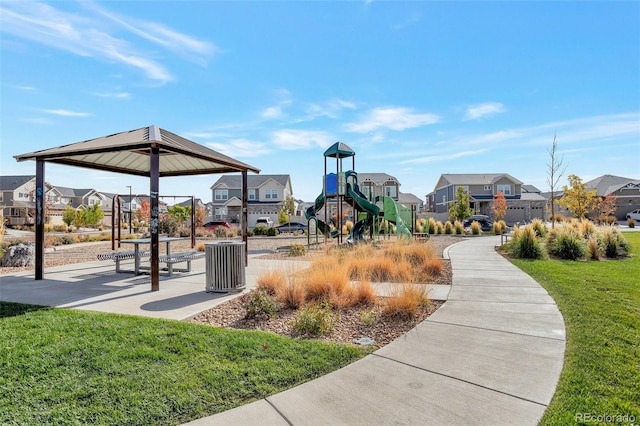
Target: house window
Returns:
[[14, 212], [271, 194], [444, 199], [390, 191], [220, 213], [221, 194], [366, 190], [505, 189], [252, 194], [487, 187]]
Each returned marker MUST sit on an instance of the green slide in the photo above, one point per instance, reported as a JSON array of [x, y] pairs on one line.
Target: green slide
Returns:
[[398, 214], [365, 205], [311, 212]]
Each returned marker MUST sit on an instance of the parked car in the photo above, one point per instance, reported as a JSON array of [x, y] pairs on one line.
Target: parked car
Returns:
[[634, 214], [485, 222], [211, 226], [291, 227], [264, 221]]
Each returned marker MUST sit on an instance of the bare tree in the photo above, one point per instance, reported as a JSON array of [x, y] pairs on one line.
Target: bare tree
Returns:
[[555, 170]]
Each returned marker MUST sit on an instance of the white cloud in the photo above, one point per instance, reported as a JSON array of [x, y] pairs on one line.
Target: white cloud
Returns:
[[330, 109], [440, 158], [272, 112], [91, 35], [239, 148], [291, 139], [476, 112], [66, 113], [394, 118], [116, 95]]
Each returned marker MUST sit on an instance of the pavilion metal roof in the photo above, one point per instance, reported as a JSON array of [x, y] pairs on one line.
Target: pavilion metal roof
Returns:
[[128, 152]]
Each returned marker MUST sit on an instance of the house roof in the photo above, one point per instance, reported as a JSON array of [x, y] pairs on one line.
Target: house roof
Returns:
[[376, 178], [73, 192], [408, 198], [607, 184], [253, 181], [530, 189], [474, 179], [128, 152], [9, 183]]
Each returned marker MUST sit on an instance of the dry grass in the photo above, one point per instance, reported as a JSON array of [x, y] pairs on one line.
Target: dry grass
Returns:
[[329, 278], [405, 301]]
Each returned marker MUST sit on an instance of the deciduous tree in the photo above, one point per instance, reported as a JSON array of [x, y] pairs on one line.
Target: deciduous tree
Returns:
[[576, 198], [499, 206], [460, 210], [555, 170]]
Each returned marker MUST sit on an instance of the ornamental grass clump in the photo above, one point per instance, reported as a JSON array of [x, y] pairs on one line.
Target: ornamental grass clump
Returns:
[[525, 244], [458, 227], [405, 302], [499, 227], [432, 226], [613, 243], [539, 227], [476, 228], [567, 245]]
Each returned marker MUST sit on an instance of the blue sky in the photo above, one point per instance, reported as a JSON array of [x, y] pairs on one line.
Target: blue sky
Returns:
[[417, 89]]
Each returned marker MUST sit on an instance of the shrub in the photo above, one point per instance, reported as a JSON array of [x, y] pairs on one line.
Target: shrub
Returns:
[[60, 228], [539, 227], [448, 227], [432, 226], [567, 245], [272, 280], [405, 302], [613, 243], [272, 232], [440, 228], [476, 228], [458, 227], [369, 317], [316, 319], [291, 293], [200, 247], [260, 230], [297, 250], [525, 245], [593, 249], [259, 305], [631, 223]]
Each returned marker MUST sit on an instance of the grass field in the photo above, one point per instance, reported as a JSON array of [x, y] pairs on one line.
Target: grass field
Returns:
[[61, 366], [600, 303]]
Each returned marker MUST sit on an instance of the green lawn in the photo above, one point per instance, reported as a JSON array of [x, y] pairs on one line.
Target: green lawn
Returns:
[[600, 303], [61, 366]]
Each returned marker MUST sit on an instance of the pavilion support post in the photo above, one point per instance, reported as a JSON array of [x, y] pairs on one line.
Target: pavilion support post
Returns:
[[193, 221], [153, 199], [245, 215], [40, 206]]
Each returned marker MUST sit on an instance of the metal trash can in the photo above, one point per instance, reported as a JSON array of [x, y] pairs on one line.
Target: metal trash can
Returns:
[[225, 265]]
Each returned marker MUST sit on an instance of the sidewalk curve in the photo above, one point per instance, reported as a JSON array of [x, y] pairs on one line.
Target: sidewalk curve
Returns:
[[492, 354]]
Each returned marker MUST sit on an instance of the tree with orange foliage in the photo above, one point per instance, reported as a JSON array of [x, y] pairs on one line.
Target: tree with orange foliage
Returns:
[[144, 211], [499, 206]]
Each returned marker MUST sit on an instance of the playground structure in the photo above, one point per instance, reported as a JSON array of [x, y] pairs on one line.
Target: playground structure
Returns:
[[368, 211]]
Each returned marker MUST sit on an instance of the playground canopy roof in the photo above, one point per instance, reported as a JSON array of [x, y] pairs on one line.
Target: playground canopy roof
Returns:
[[128, 152], [339, 150]]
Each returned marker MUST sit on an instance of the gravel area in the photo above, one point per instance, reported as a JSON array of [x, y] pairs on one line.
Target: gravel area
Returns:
[[348, 324]]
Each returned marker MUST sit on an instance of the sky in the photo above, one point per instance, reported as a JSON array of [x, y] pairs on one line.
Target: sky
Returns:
[[417, 88]]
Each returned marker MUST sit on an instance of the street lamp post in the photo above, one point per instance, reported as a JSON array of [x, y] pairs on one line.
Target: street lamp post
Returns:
[[130, 209]]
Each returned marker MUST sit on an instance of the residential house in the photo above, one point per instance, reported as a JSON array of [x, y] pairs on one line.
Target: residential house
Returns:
[[17, 199], [379, 185], [625, 191], [266, 195], [523, 205]]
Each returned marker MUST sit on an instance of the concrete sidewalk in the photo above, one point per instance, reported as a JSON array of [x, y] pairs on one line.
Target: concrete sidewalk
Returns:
[[492, 354]]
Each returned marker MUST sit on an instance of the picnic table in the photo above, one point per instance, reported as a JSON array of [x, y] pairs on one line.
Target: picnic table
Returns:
[[141, 241]]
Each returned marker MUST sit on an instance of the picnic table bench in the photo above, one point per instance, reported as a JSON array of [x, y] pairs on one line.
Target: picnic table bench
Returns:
[[118, 256], [172, 258]]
